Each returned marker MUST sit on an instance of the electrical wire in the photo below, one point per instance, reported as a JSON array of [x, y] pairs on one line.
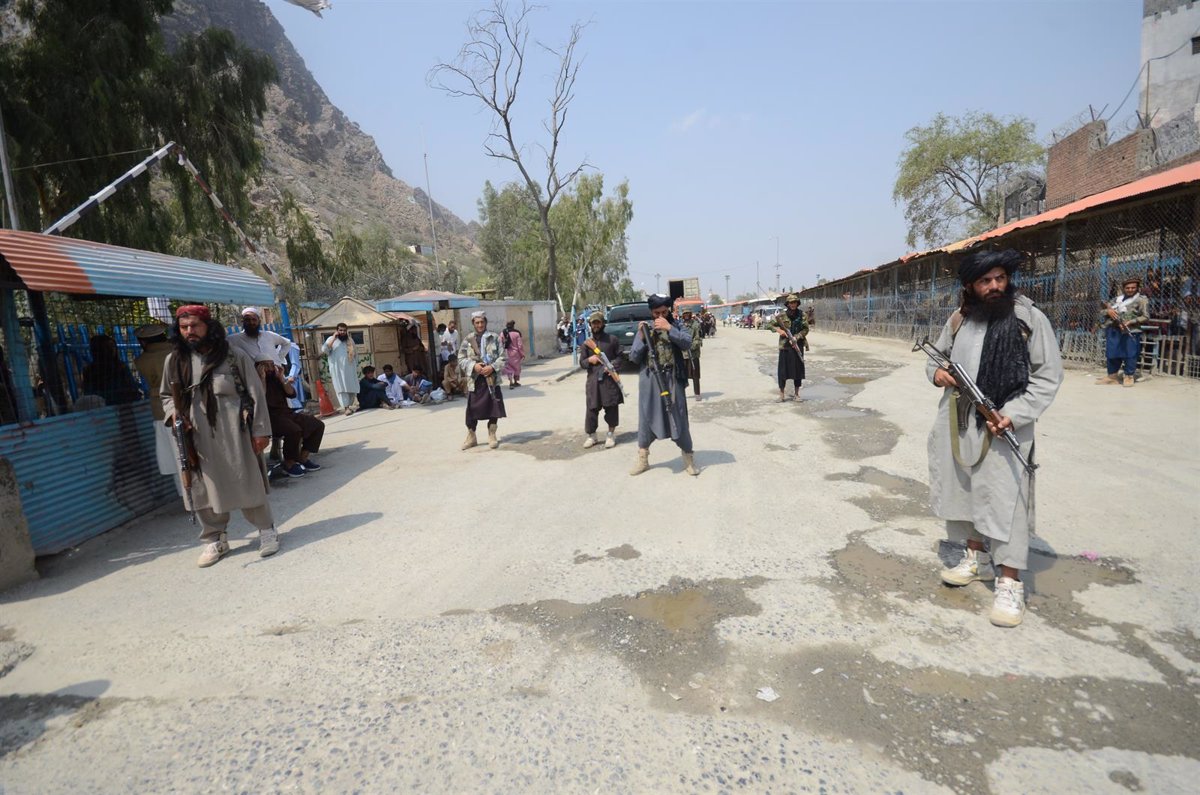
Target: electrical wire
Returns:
[[1187, 40], [81, 159]]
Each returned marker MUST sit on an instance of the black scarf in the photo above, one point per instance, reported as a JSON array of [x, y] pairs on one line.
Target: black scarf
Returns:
[[216, 354], [1004, 362]]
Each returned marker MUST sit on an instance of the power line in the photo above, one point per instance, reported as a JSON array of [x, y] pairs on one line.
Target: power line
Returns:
[[81, 159], [1187, 40]]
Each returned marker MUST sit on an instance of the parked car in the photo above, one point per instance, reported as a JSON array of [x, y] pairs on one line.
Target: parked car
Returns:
[[622, 322]]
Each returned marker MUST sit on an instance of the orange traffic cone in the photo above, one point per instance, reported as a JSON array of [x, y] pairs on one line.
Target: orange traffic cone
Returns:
[[323, 401]]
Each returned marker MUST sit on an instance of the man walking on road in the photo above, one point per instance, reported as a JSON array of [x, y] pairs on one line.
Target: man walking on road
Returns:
[[659, 418], [692, 355], [791, 361], [601, 388], [480, 361], [980, 489], [224, 408]]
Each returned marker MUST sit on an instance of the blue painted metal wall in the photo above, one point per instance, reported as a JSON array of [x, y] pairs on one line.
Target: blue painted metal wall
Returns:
[[84, 473]]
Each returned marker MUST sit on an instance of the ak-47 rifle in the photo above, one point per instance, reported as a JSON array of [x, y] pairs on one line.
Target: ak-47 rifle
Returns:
[[656, 372], [1121, 325], [590, 344], [791, 338], [982, 403], [189, 461]]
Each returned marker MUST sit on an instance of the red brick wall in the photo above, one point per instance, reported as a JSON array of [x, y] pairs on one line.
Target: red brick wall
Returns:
[[1081, 164]]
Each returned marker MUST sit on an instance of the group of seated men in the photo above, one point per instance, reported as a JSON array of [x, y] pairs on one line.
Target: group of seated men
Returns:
[[391, 390]]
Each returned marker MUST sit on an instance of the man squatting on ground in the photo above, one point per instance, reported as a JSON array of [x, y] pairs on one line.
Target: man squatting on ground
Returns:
[[1122, 323], [692, 355], [1008, 347], [791, 363], [670, 340], [480, 359], [214, 382], [301, 433], [601, 389]]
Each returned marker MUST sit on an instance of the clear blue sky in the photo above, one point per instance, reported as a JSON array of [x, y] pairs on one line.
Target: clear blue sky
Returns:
[[734, 122]]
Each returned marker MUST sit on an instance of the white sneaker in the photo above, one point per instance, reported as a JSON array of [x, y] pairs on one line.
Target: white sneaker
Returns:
[[975, 565], [212, 552], [609, 441], [590, 441], [1009, 606], [268, 542]]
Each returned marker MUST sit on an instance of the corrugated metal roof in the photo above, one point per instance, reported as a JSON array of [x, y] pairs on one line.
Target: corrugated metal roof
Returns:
[[425, 301], [82, 474], [68, 265]]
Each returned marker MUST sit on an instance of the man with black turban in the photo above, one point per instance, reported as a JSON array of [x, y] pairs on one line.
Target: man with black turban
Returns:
[[670, 339], [1007, 346]]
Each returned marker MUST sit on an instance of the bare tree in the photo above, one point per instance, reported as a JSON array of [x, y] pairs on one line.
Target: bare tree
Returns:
[[489, 69]]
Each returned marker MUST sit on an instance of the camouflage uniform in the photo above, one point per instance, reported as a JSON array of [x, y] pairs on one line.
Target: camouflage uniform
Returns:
[[791, 364], [1124, 346]]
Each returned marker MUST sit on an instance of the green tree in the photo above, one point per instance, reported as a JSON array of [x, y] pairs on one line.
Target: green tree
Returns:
[[953, 170], [91, 90], [590, 230], [510, 240]]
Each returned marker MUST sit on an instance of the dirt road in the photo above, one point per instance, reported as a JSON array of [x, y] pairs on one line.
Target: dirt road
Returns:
[[533, 619]]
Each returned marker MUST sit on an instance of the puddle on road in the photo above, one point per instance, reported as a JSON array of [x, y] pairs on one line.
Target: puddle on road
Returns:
[[560, 445], [851, 379], [664, 636], [905, 496], [623, 552]]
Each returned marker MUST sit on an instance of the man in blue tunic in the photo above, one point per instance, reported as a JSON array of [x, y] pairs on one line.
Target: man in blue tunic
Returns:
[[670, 339]]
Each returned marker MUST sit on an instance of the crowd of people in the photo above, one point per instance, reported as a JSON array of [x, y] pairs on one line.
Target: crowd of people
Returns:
[[996, 339]]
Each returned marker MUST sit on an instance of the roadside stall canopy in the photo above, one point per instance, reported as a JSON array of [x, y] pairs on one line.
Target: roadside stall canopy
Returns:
[[82, 267], [426, 301], [350, 311]]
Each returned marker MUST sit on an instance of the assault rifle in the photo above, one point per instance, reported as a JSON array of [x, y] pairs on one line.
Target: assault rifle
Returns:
[[656, 372], [1121, 325], [189, 461], [791, 338], [591, 345], [982, 403]]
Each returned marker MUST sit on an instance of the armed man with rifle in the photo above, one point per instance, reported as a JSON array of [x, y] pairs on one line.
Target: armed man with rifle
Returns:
[[792, 326], [662, 384], [1122, 321], [601, 357], [216, 403], [1004, 347]]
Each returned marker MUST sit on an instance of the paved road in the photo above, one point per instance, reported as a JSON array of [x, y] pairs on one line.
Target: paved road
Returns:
[[533, 619]]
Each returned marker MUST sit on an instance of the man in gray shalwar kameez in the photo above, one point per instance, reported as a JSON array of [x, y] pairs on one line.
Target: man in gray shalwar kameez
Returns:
[[670, 340], [1008, 347], [216, 382]]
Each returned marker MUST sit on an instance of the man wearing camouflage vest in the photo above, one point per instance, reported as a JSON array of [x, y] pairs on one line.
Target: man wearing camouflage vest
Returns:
[[1122, 323]]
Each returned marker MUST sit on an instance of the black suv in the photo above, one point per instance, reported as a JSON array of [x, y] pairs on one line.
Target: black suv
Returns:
[[622, 322]]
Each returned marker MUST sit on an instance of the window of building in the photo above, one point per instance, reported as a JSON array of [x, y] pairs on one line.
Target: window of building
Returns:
[[1196, 45]]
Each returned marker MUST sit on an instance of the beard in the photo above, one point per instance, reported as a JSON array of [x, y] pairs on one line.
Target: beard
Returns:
[[197, 345], [251, 331], [994, 306]]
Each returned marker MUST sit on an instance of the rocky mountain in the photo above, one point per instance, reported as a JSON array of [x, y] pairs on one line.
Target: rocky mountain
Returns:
[[313, 151]]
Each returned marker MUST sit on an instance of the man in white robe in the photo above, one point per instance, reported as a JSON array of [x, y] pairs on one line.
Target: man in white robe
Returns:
[[1007, 346], [343, 368]]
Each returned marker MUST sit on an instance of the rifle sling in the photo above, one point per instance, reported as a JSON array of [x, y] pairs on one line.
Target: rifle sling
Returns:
[[954, 447]]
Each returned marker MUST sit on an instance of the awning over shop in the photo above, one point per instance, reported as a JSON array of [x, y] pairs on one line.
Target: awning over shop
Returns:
[[82, 267], [426, 301]]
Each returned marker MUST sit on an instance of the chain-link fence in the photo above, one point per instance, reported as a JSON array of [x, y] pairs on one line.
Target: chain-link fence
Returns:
[[1073, 267]]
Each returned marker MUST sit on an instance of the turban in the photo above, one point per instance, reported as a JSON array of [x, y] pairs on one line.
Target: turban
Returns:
[[199, 310], [596, 316], [975, 265], [251, 310], [658, 300], [480, 313]]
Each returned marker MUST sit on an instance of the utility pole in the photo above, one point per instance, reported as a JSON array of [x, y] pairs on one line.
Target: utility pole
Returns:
[[656, 278], [757, 279], [437, 265], [777, 265], [728, 297]]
